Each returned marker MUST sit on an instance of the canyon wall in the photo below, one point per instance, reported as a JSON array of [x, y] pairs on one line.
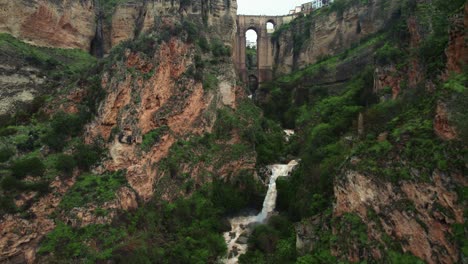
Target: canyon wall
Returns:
[[64, 24], [75, 24], [327, 32], [160, 88]]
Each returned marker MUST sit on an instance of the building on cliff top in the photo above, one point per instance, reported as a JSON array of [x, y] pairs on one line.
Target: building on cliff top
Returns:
[[309, 7]]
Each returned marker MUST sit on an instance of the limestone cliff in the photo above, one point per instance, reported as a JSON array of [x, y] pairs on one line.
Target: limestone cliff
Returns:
[[163, 91], [79, 24], [329, 31], [64, 24], [380, 132]]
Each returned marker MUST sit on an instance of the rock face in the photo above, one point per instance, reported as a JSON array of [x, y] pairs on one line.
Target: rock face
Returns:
[[416, 214], [20, 237], [75, 24], [457, 50], [442, 126], [64, 24], [331, 34], [148, 90], [18, 86], [165, 100]]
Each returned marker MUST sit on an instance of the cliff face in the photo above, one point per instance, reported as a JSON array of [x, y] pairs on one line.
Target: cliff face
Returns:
[[64, 24], [75, 24], [162, 92], [327, 32], [362, 114]]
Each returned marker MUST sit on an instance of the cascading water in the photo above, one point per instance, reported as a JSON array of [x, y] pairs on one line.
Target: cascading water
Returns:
[[278, 170], [241, 226]]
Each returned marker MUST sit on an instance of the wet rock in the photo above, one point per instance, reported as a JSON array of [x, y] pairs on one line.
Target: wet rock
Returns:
[[382, 137], [243, 239]]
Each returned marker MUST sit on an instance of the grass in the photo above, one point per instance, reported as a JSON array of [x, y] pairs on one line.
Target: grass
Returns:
[[60, 61], [90, 188]]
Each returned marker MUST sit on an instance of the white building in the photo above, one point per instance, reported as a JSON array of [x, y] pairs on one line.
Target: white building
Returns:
[[316, 4]]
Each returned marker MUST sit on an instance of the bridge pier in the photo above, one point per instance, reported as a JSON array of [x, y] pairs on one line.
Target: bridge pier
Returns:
[[265, 56]]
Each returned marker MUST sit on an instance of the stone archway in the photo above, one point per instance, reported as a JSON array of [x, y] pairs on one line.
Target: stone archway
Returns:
[[265, 56]]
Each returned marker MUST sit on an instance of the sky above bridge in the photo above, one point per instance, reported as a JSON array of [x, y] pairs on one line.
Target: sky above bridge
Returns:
[[267, 7]]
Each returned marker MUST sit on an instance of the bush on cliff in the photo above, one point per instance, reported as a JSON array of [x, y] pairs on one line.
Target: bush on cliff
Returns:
[[28, 166]]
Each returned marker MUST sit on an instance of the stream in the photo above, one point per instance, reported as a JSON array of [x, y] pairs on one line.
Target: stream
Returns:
[[242, 226]]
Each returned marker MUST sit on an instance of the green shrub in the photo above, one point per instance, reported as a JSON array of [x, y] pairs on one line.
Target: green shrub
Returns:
[[53, 140], [7, 205], [153, 137], [6, 153], [28, 166], [65, 163], [388, 55], [8, 131], [219, 49], [90, 188], [263, 238], [86, 156], [203, 44], [210, 82], [66, 124]]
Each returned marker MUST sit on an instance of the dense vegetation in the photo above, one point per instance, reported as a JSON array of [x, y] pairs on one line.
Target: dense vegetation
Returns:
[[327, 122], [25, 132], [37, 146]]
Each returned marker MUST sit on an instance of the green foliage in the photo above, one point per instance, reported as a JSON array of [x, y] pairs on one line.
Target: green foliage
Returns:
[[457, 97], [436, 17], [263, 238], [210, 82], [251, 58], [203, 44], [27, 166], [87, 155], [65, 163], [62, 127], [339, 6], [396, 257], [6, 153], [59, 62], [191, 29], [389, 55], [91, 188], [274, 242], [356, 231], [66, 242], [410, 123], [153, 137], [218, 49], [7, 131], [107, 7], [225, 194], [321, 257], [263, 135]]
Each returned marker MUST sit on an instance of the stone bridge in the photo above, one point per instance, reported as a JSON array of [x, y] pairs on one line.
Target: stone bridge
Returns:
[[265, 56]]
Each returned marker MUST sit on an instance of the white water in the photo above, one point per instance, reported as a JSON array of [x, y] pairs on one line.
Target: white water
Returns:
[[242, 226], [289, 133]]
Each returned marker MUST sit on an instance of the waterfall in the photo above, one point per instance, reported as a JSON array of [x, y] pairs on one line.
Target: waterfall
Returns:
[[241, 226], [278, 170]]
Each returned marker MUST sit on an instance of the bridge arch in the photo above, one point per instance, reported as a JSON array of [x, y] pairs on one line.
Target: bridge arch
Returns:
[[265, 57], [270, 26]]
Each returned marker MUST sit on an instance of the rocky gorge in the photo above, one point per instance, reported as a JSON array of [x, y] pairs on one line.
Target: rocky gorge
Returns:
[[126, 135]]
